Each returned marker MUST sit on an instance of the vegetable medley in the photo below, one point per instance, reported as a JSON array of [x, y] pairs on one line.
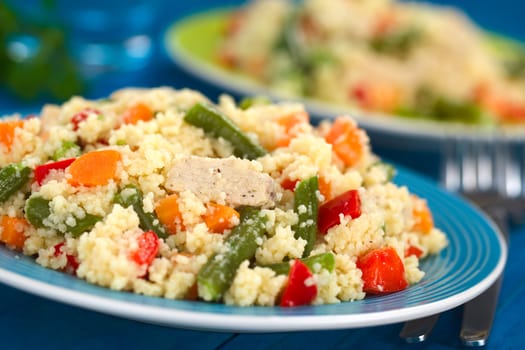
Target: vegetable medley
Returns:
[[164, 193], [387, 56]]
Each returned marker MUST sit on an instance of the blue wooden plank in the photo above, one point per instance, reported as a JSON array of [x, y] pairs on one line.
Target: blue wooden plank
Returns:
[[30, 322]]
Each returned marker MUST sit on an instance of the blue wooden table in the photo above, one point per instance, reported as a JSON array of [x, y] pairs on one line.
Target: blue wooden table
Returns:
[[30, 322]]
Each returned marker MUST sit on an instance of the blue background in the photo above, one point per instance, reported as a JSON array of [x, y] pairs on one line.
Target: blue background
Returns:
[[30, 322]]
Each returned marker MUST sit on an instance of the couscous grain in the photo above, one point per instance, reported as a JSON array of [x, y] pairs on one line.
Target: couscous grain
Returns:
[[102, 226]]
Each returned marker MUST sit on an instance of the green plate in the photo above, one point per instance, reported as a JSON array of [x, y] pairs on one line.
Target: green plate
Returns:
[[192, 43]]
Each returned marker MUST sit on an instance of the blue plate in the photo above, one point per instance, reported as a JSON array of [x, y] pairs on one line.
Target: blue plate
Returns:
[[473, 260]]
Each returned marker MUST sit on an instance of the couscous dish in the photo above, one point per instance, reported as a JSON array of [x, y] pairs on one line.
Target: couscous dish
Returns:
[[164, 193], [394, 57]]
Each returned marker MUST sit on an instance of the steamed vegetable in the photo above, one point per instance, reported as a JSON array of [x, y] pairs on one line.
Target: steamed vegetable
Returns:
[[423, 220], [347, 203], [216, 276], [132, 196], [66, 149], [148, 247], [346, 141], [82, 116], [306, 206], [289, 123], [12, 231], [220, 218], [7, 132], [94, 168], [397, 42], [168, 213], [301, 288], [37, 210], [383, 271], [324, 261], [12, 178], [41, 171], [215, 123], [136, 113]]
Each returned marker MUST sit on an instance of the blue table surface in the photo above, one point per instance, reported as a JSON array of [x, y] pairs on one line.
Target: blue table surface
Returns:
[[31, 322]]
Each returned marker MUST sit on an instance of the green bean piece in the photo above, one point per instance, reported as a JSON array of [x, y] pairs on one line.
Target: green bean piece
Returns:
[[12, 178], [398, 43], [215, 123], [306, 205], [216, 276], [83, 225], [251, 101], [429, 105], [68, 149], [132, 196], [315, 263], [37, 210]]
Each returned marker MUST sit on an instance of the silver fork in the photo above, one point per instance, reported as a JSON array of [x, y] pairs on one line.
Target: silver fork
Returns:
[[490, 173]]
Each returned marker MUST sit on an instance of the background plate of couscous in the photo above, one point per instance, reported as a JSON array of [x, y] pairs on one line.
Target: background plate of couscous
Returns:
[[475, 257], [193, 44]]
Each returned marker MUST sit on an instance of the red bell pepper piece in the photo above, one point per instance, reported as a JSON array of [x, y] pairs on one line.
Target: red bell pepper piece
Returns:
[[347, 203], [383, 271], [413, 250], [72, 262], [81, 116], [148, 243], [41, 171], [289, 184], [301, 288]]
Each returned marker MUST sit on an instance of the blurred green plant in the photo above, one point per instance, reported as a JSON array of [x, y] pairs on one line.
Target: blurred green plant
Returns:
[[34, 60]]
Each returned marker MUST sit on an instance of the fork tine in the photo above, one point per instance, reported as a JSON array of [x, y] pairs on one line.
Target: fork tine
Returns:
[[468, 151], [450, 177], [485, 168]]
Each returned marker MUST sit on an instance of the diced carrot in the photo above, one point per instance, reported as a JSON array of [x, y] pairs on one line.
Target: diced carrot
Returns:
[[290, 122], [169, 215], [7, 132], [385, 21], [220, 217], [505, 108], [94, 168], [13, 230], [325, 188], [139, 111], [346, 140], [423, 220], [226, 58], [234, 23], [377, 96]]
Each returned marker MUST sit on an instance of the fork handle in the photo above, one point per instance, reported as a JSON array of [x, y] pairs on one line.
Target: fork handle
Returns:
[[478, 316], [418, 330]]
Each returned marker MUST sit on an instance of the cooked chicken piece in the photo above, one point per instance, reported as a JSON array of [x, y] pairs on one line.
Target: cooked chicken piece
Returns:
[[232, 181]]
